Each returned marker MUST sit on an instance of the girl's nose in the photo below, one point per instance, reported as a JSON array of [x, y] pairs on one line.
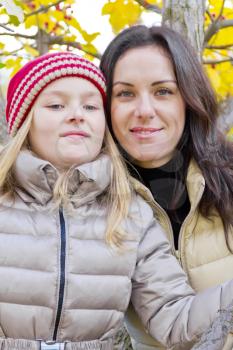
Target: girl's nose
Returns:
[[76, 114]]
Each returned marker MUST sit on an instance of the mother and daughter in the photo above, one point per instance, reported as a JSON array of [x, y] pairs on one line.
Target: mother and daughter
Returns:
[[77, 240]]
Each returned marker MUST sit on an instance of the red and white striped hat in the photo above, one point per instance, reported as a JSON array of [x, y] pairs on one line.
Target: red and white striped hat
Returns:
[[31, 79]]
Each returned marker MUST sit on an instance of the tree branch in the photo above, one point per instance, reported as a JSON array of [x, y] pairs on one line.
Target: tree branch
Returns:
[[6, 28], [218, 61], [215, 26], [149, 7], [210, 16], [43, 8], [60, 41], [18, 35], [12, 53]]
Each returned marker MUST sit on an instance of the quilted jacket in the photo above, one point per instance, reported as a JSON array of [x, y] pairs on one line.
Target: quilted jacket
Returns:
[[202, 253], [61, 281]]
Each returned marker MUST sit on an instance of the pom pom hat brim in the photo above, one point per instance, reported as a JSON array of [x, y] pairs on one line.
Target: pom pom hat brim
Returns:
[[31, 79]]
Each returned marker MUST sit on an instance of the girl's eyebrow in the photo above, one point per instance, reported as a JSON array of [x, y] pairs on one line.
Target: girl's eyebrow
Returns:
[[154, 83], [64, 93], [53, 92]]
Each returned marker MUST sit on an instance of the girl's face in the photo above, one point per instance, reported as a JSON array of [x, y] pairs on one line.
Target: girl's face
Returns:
[[68, 123], [147, 110]]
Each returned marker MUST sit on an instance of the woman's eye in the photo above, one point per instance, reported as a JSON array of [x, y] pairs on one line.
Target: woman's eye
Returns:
[[56, 107], [124, 93], [163, 91]]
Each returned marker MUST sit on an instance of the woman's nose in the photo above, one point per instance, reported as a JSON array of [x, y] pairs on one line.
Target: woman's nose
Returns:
[[145, 107]]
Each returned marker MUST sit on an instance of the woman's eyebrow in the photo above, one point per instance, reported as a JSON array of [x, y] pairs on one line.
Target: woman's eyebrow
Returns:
[[154, 83], [163, 81]]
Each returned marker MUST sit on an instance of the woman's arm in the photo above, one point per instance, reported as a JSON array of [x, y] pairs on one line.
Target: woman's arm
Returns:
[[166, 304]]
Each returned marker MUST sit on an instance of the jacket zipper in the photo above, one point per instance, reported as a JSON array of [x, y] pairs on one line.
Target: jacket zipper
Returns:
[[62, 272]]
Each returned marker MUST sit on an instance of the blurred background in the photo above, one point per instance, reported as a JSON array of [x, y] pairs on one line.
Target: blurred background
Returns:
[[29, 28]]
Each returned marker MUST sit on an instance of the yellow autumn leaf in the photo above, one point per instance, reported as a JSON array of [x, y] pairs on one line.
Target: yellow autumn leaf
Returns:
[[74, 23], [9, 63], [214, 76], [29, 5], [223, 37], [230, 134], [2, 45], [70, 2], [215, 5], [70, 38], [122, 13], [58, 15], [221, 76], [154, 2], [89, 48], [44, 22], [133, 12], [107, 8], [17, 65], [30, 22], [46, 2], [89, 37], [2, 11], [88, 57], [33, 52]]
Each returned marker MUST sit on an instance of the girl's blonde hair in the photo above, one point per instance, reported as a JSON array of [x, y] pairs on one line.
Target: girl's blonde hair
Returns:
[[118, 195]]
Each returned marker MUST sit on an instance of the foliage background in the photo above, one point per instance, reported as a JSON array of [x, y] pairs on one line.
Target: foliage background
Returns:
[[38, 26]]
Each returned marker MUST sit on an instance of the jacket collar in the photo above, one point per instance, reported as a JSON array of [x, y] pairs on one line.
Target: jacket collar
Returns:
[[195, 183], [36, 179]]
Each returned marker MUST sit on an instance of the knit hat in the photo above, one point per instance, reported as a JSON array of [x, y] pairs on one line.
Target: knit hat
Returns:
[[31, 79]]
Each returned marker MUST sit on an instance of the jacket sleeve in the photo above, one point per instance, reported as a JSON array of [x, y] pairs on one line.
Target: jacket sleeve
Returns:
[[162, 297]]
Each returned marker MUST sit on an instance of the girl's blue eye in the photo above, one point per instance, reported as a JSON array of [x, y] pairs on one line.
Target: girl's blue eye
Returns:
[[56, 107]]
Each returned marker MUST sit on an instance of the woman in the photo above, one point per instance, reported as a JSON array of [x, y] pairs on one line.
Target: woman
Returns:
[[75, 242], [163, 112]]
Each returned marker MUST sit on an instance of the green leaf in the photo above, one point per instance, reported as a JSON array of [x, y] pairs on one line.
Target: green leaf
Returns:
[[2, 65], [14, 20]]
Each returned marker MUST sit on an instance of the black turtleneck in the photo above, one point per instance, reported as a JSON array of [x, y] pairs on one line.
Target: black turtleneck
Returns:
[[162, 182]]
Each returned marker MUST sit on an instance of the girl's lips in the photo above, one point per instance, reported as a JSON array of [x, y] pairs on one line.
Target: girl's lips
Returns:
[[76, 133], [141, 132]]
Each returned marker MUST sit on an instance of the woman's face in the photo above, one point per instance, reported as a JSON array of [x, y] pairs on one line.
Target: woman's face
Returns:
[[68, 123], [147, 110]]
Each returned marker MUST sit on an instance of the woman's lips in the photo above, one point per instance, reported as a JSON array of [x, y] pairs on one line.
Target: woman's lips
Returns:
[[142, 132]]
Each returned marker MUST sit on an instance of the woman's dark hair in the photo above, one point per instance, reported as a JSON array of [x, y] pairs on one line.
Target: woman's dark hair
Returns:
[[201, 138]]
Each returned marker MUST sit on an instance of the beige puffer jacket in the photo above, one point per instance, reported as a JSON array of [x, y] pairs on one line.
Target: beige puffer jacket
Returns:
[[60, 281], [203, 253]]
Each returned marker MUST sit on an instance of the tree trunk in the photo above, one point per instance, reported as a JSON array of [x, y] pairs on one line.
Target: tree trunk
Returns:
[[42, 41], [187, 18]]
